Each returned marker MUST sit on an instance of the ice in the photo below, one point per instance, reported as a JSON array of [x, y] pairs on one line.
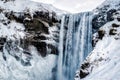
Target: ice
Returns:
[[40, 69]]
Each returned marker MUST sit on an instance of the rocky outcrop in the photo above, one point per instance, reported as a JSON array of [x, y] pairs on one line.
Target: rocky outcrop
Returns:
[[105, 13], [2, 41], [40, 28]]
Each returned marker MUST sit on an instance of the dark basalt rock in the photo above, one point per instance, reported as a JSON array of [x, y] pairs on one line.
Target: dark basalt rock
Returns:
[[35, 26], [110, 14], [2, 41], [101, 34], [45, 17], [41, 47], [112, 32], [83, 74], [115, 25], [39, 37], [118, 18], [94, 41], [54, 50], [83, 67], [100, 19], [11, 16], [21, 16]]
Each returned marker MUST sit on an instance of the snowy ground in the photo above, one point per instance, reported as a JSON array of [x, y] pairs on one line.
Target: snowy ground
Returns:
[[40, 69]]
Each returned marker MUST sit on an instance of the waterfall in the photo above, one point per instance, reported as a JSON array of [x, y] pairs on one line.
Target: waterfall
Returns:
[[74, 45], [61, 50]]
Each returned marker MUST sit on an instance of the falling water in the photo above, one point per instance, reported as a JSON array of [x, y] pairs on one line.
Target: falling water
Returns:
[[61, 50], [74, 45]]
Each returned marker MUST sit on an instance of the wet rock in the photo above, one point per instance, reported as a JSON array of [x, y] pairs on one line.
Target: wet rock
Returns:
[[54, 50]]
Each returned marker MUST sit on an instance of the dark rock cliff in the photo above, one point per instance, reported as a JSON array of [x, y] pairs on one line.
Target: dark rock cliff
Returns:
[[104, 13], [41, 29]]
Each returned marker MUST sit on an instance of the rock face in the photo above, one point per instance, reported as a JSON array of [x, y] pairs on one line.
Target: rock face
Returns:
[[105, 13], [29, 36], [38, 26]]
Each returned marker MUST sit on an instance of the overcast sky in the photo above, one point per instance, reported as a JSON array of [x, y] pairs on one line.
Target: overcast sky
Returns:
[[74, 6]]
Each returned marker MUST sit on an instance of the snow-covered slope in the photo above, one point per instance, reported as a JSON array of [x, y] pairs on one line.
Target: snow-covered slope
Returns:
[[27, 6], [103, 63]]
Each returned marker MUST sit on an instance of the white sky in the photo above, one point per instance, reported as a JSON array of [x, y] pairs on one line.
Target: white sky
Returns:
[[73, 6]]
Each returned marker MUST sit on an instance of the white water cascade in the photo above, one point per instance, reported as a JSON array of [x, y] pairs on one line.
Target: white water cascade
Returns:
[[74, 45], [59, 75]]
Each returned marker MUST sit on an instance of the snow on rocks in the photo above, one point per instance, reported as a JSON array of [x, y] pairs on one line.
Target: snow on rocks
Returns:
[[103, 62]]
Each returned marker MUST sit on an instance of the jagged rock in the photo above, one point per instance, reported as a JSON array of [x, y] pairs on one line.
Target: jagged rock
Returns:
[[104, 15], [115, 25], [54, 50], [112, 32], [83, 67], [35, 26], [2, 41], [41, 47], [118, 18], [110, 14], [101, 34], [83, 74]]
